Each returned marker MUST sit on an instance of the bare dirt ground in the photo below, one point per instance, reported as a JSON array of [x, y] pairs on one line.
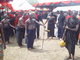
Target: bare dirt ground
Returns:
[[50, 51]]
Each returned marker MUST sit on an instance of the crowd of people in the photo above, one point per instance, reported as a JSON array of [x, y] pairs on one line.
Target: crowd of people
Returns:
[[27, 25]]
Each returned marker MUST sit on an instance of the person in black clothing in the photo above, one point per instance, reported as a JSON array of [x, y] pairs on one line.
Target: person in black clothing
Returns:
[[38, 18], [71, 27], [51, 24], [61, 20], [11, 21], [6, 29], [79, 34], [30, 30]]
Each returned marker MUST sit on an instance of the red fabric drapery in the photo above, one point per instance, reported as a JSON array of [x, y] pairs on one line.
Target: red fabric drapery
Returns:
[[6, 4], [5, 0], [78, 1], [49, 3], [10, 7], [66, 2], [36, 4]]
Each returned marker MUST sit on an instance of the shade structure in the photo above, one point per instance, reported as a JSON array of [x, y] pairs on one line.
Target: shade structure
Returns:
[[59, 3], [21, 5], [77, 8], [6, 5], [46, 1]]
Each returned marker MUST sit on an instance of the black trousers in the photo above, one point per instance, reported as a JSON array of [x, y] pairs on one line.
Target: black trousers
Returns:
[[30, 38], [60, 32], [6, 34], [37, 31], [19, 35]]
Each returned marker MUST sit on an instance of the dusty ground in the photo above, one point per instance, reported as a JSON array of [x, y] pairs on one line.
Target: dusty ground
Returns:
[[50, 51]]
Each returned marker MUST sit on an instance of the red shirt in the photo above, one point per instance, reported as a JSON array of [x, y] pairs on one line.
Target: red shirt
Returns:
[[25, 18], [67, 17], [36, 15]]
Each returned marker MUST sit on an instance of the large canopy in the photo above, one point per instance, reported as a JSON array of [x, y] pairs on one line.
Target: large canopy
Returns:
[[21, 5], [56, 3], [24, 5], [45, 1], [16, 5], [66, 8], [6, 5]]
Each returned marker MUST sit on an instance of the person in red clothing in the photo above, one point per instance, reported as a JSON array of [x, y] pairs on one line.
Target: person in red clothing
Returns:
[[26, 16], [16, 21], [69, 14]]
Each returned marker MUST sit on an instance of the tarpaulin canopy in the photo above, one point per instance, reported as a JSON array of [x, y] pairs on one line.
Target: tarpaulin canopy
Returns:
[[6, 5], [66, 8], [58, 3], [46, 1], [21, 5]]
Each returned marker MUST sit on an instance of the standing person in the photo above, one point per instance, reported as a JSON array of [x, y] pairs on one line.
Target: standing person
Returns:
[[6, 29], [38, 17], [61, 20], [71, 27], [37, 25], [2, 42], [20, 30], [79, 35], [11, 21], [51, 24], [30, 28], [75, 13], [79, 29]]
